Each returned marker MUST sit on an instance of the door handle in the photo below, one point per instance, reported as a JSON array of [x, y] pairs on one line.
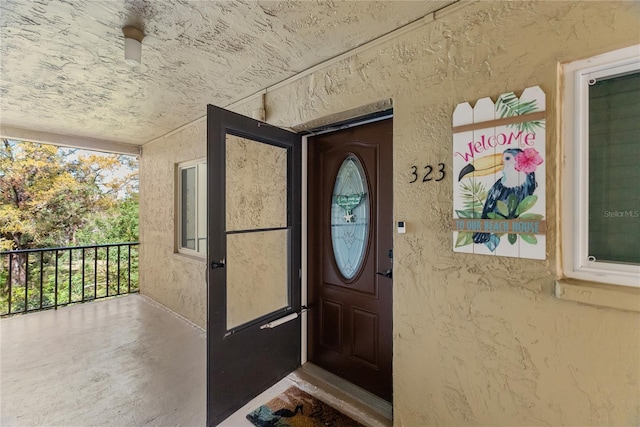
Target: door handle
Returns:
[[217, 264], [388, 274]]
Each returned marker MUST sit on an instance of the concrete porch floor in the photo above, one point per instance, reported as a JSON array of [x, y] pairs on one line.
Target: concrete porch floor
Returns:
[[121, 362]]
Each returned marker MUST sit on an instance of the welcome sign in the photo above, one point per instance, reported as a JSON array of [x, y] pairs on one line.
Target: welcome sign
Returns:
[[499, 163]]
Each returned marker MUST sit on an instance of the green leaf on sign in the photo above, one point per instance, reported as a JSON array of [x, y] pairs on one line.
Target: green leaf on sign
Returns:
[[494, 215], [508, 105], [465, 214], [526, 204], [512, 203], [473, 194], [529, 238], [503, 209], [530, 127], [512, 238], [533, 216], [464, 238]]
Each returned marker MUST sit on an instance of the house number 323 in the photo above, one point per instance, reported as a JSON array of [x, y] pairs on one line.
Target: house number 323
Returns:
[[429, 173]]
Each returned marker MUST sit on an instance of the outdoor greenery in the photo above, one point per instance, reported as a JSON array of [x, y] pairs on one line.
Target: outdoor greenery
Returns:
[[53, 197]]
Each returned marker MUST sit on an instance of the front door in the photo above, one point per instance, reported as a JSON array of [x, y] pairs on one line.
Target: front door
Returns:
[[350, 249], [253, 324]]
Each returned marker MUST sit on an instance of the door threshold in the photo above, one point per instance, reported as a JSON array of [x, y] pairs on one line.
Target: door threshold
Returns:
[[346, 390]]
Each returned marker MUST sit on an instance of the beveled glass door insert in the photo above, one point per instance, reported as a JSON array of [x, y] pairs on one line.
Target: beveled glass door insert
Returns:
[[257, 231], [350, 217]]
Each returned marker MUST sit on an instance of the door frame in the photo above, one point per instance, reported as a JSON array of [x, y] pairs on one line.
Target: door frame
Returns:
[[304, 261]]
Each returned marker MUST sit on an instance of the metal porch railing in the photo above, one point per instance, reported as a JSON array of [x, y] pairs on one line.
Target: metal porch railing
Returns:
[[38, 279]]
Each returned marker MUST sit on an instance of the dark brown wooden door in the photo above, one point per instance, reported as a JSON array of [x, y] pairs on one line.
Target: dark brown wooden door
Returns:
[[350, 239]]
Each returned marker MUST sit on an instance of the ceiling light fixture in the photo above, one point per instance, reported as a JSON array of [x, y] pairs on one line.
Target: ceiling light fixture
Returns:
[[132, 45]]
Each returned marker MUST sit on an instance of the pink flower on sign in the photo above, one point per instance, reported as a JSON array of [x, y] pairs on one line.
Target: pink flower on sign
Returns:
[[528, 160]]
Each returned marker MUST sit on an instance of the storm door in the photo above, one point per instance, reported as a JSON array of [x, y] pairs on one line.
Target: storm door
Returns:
[[253, 325]]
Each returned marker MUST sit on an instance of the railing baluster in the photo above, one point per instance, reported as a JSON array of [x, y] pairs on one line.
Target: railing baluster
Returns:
[[95, 273], [118, 270], [41, 277], [82, 274], [129, 272], [10, 278], [26, 282], [107, 248], [56, 283], [70, 267]]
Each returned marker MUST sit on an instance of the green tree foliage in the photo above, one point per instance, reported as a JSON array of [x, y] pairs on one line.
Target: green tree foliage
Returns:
[[119, 224], [57, 197], [49, 195]]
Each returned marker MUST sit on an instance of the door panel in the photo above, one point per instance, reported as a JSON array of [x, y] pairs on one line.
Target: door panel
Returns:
[[253, 258], [350, 332]]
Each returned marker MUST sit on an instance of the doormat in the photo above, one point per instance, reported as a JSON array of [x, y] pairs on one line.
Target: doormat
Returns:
[[296, 408]]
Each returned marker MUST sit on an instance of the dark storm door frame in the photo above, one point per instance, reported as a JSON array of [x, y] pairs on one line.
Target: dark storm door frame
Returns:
[[244, 361]]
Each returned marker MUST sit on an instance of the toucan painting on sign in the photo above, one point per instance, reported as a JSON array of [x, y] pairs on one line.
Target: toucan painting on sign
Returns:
[[499, 163]]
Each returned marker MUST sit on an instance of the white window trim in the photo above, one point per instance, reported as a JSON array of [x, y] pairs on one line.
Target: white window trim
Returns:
[[178, 226], [575, 194]]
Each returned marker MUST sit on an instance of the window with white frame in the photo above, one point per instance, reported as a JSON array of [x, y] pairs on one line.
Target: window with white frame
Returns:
[[601, 179], [192, 208]]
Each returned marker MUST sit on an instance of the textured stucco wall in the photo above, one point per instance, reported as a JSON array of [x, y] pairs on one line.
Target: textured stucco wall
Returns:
[[481, 340], [477, 340], [174, 280]]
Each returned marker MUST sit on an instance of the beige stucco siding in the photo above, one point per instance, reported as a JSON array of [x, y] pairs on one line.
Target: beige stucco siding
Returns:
[[174, 280], [478, 340]]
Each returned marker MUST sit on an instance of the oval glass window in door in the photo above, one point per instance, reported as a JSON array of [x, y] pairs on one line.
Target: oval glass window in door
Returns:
[[350, 217]]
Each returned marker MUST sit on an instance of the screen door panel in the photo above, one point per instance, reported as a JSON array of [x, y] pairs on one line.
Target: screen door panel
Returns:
[[253, 172], [257, 275], [256, 185], [256, 226]]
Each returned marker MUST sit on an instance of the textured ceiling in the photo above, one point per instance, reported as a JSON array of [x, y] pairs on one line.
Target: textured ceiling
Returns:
[[62, 63]]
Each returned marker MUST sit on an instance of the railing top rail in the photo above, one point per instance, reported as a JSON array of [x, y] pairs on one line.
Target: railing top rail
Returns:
[[66, 248]]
